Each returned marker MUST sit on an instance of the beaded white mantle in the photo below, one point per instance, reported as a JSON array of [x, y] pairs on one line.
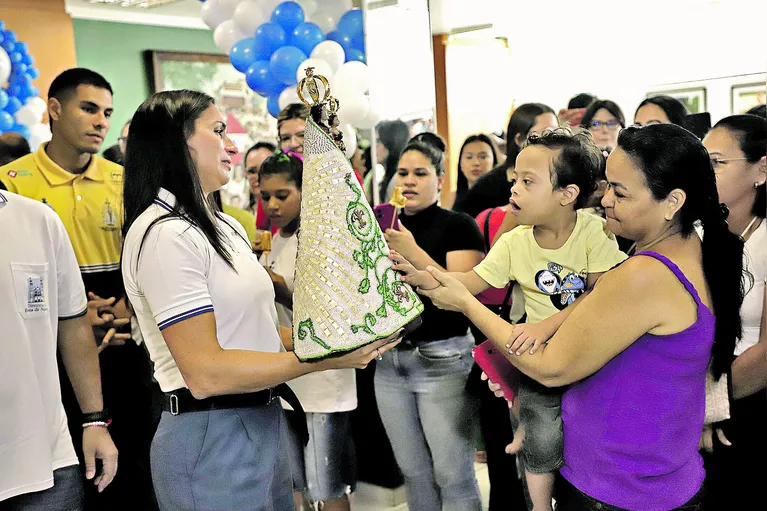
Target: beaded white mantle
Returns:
[[345, 294]]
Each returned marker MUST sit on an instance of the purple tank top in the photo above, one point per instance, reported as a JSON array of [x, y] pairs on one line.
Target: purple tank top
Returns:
[[631, 430]]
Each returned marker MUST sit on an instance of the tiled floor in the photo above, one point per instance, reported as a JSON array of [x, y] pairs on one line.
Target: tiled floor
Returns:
[[372, 498]]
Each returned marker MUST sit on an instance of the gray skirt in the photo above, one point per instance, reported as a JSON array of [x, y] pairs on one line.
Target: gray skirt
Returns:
[[220, 460]]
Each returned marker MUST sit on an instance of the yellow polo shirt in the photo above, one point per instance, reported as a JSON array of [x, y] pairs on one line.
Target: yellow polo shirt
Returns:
[[89, 204]]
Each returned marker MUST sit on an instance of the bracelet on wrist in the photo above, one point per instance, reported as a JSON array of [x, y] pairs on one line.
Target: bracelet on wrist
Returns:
[[100, 416], [100, 424]]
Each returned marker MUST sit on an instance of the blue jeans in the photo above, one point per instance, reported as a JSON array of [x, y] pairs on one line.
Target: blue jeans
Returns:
[[66, 494], [430, 420]]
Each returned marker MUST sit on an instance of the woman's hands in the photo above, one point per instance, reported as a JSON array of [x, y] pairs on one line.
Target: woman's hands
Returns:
[[402, 241], [361, 357], [451, 294], [707, 439]]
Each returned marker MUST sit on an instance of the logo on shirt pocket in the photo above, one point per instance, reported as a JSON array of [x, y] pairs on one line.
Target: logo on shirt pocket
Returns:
[[31, 289]]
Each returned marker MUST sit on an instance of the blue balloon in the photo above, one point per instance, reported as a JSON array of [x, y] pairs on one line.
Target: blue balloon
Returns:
[[28, 59], [260, 79], [273, 105], [8, 46], [33, 73], [33, 91], [16, 57], [356, 55], [22, 47], [242, 54], [13, 105], [306, 36], [2, 26], [358, 42], [3, 99], [284, 64], [10, 35], [269, 37], [288, 15], [352, 22], [21, 130], [21, 69], [6, 121], [342, 38]]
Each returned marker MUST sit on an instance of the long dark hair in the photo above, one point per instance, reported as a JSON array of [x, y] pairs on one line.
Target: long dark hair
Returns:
[[159, 157], [520, 123], [462, 183], [751, 132], [394, 136], [672, 107], [673, 158]]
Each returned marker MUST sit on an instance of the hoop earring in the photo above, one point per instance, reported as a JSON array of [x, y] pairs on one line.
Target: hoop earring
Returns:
[[756, 185]]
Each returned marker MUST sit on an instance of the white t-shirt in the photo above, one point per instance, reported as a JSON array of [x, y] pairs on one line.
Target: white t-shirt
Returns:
[[319, 392], [179, 275], [755, 260], [40, 284]]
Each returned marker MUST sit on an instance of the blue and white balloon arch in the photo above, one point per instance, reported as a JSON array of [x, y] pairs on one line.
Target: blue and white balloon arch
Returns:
[[273, 42], [21, 107]]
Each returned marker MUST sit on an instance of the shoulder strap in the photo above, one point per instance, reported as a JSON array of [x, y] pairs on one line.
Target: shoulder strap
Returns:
[[486, 231], [676, 271]]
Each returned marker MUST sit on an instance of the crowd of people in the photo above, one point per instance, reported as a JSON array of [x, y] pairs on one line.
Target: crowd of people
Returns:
[[619, 269]]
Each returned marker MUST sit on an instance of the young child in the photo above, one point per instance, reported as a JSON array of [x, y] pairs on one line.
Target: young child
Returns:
[[556, 254]]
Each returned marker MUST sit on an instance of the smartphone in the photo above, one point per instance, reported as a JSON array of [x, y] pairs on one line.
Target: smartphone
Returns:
[[500, 371], [385, 214]]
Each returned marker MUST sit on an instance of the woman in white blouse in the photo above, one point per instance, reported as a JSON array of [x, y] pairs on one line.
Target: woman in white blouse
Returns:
[[206, 308], [736, 468]]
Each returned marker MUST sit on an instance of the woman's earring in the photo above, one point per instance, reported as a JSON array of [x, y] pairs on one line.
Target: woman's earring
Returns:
[[756, 185]]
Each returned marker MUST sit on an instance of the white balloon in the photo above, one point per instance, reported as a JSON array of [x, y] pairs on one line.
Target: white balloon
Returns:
[[288, 97], [337, 7], [353, 74], [325, 19], [373, 117], [352, 106], [38, 104], [28, 116], [350, 139], [5, 66], [320, 68], [215, 12], [269, 5], [38, 135], [331, 52], [309, 7], [226, 34], [248, 16]]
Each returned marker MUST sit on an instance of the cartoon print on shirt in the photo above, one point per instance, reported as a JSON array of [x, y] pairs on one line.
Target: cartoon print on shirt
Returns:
[[562, 292], [572, 287], [548, 282]]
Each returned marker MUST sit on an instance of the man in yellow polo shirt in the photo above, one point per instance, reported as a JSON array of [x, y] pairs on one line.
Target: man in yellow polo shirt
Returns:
[[85, 191]]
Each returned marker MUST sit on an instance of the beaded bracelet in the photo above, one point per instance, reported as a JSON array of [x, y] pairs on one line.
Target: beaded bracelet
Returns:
[[100, 424]]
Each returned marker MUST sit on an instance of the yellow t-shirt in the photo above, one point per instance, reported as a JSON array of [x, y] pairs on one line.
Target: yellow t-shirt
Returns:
[[244, 218], [89, 204], [551, 279]]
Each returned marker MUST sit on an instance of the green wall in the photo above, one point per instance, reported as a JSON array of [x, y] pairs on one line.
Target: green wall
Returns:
[[116, 51]]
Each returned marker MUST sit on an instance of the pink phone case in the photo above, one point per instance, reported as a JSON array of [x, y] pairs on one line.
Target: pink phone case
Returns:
[[384, 214], [498, 369]]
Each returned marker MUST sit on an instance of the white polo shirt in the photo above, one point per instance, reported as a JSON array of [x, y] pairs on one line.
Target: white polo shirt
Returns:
[[179, 275], [40, 283]]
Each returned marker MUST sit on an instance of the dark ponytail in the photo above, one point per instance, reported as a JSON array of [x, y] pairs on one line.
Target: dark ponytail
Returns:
[[432, 146], [673, 158]]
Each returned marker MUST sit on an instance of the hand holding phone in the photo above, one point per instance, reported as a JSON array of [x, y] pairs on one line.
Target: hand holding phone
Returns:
[[499, 370], [386, 214]]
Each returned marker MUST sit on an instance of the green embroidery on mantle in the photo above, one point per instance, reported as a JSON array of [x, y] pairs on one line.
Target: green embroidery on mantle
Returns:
[[307, 327]]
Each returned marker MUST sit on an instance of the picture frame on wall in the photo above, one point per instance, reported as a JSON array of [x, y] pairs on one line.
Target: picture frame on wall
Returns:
[[746, 96], [694, 98], [248, 120]]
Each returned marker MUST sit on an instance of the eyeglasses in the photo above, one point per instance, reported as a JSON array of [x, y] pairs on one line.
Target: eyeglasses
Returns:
[[610, 125], [718, 162]]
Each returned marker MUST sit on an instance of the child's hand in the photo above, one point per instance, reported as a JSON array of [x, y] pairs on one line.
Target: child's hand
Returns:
[[416, 278], [527, 337]]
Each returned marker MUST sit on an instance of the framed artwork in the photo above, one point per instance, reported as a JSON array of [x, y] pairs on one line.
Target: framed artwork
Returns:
[[693, 98], [247, 118], [746, 96]]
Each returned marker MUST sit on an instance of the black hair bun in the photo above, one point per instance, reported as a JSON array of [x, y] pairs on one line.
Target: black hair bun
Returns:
[[431, 139]]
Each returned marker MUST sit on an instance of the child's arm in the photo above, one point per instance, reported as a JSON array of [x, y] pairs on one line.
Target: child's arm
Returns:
[[531, 336], [424, 280]]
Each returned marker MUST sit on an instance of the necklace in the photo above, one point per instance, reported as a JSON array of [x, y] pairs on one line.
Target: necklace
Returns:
[[748, 227]]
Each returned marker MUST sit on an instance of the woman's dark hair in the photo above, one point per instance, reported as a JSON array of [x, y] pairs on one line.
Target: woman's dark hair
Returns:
[[751, 132], [284, 164], [673, 158], [581, 100], [259, 145], [292, 111], [432, 146], [598, 105], [672, 107], [159, 157], [759, 110], [520, 123], [394, 136], [579, 162], [462, 182]]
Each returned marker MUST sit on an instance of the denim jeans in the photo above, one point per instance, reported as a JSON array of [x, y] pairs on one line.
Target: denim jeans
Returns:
[[66, 494], [430, 420]]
